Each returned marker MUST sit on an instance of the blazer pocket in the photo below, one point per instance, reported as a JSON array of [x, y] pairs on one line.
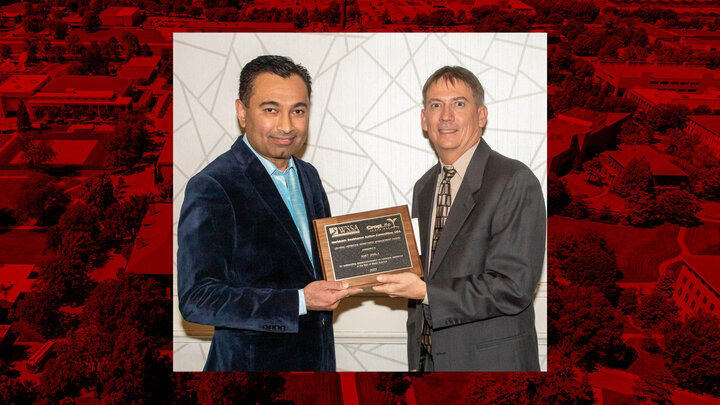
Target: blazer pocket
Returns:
[[499, 341]]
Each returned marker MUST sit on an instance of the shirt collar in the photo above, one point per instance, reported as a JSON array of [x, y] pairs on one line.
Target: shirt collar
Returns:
[[462, 163], [268, 165]]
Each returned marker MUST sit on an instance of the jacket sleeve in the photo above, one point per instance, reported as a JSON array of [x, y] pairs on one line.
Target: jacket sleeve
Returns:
[[207, 289], [504, 284]]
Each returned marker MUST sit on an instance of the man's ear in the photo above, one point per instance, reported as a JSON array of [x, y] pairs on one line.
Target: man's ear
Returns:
[[482, 116], [422, 120], [241, 112]]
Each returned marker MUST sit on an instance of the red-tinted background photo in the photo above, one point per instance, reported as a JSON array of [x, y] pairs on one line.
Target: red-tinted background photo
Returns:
[[86, 92]]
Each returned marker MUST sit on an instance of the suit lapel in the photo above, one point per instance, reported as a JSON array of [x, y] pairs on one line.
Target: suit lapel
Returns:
[[463, 204], [270, 196], [425, 205], [308, 197]]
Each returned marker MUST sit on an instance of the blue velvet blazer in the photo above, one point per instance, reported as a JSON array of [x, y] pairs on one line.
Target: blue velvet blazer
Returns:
[[241, 261]]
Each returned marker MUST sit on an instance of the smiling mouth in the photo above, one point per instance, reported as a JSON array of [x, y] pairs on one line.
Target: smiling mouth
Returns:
[[447, 131], [282, 141]]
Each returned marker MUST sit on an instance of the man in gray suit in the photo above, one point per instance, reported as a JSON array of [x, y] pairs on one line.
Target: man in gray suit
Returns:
[[482, 230]]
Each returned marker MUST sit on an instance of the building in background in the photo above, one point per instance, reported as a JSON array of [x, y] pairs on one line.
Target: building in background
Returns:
[[707, 128], [697, 287], [578, 134], [664, 173]]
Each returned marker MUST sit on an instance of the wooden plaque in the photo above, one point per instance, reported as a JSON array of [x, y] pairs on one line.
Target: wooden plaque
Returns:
[[355, 248]]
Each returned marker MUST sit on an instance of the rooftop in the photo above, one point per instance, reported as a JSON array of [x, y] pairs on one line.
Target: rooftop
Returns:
[[655, 96], [144, 61], [627, 70], [15, 281], [22, 84], [88, 83], [709, 122], [706, 266], [659, 165], [119, 11], [578, 122], [152, 254]]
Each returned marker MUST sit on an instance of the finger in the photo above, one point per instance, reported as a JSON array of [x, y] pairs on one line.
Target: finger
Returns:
[[390, 278], [385, 288], [336, 285], [379, 288]]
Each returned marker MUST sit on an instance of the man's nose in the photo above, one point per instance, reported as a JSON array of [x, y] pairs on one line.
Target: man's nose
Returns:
[[284, 123], [446, 114]]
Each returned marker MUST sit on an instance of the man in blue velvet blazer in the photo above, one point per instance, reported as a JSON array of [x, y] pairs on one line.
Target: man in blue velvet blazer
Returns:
[[247, 258]]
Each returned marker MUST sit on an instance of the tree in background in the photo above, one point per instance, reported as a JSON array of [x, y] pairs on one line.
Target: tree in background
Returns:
[[667, 116], [130, 140], [42, 199], [674, 206], [586, 259], [558, 195], [36, 153], [656, 311], [633, 133], [394, 386], [67, 275], [628, 301], [635, 181], [692, 353], [135, 371], [91, 21], [40, 308], [15, 391], [5, 51], [130, 302], [593, 168], [78, 232], [23, 118], [98, 191], [561, 384], [123, 219], [239, 388], [655, 387], [590, 328]]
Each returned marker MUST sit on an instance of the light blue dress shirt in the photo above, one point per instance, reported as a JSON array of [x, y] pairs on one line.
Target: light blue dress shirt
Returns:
[[288, 185]]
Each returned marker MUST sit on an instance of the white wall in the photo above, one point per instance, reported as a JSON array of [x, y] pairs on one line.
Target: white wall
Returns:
[[365, 140]]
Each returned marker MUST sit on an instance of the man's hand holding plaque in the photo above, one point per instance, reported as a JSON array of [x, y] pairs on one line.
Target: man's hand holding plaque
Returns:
[[356, 248], [408, 285]]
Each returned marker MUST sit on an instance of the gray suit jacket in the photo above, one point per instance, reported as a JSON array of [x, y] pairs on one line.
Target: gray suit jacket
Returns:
[[485, 269]]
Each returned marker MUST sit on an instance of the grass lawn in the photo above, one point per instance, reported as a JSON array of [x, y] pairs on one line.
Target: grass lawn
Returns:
[[710, 209], [704, 239], [639, 251], [579, 187], [11, 188], [645, 361], [612, 397]]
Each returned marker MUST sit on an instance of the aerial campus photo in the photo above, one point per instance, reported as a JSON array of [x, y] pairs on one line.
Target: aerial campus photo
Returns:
[[633, 201]]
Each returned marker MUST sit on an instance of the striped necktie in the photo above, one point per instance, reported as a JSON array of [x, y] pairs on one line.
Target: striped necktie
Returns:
[[444, 200]]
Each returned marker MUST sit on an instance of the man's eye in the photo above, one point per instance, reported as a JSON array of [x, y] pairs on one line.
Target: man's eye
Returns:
[[435, 105], [460, 104], [270, 110], [299, 112]]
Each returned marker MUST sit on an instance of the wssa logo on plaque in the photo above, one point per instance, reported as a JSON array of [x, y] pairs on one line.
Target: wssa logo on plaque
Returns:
[[356, 247]]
